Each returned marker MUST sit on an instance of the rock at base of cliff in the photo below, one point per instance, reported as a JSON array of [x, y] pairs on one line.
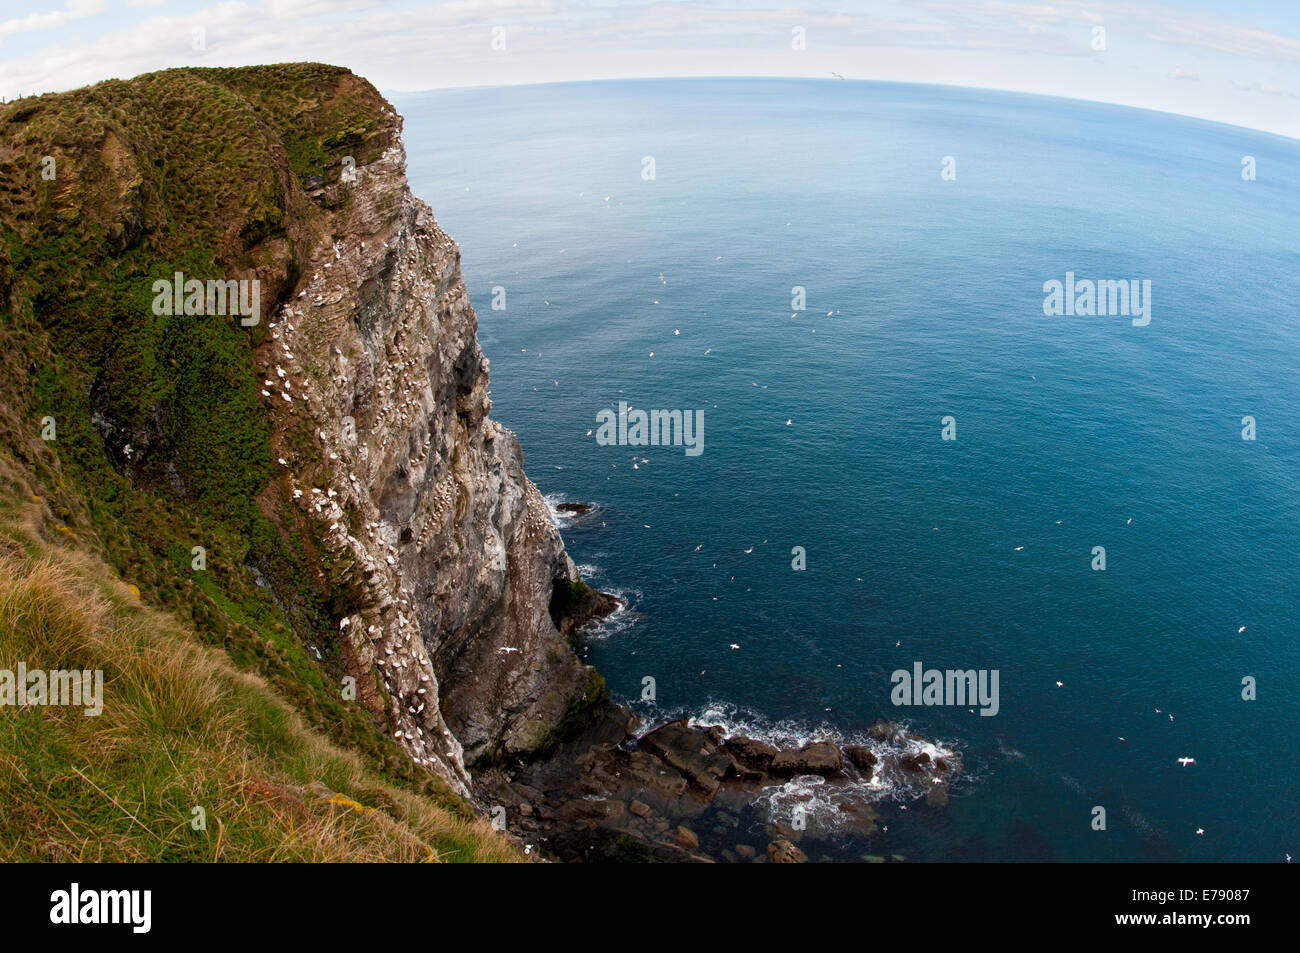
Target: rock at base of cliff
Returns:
[[820, 757], [784, 852]]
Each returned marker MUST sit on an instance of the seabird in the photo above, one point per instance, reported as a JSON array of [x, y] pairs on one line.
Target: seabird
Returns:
[[1185, 761]]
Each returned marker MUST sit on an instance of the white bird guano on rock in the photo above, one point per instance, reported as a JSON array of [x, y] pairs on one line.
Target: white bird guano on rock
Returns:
[[447, 552]]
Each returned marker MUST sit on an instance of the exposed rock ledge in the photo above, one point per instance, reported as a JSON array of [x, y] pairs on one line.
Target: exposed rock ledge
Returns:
[[692, 792]]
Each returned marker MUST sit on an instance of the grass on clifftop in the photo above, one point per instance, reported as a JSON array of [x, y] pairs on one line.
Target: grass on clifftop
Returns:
[[181, 728]]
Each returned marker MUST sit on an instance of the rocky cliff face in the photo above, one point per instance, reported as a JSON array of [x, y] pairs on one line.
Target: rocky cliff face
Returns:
[[445, 547], [337, 457]]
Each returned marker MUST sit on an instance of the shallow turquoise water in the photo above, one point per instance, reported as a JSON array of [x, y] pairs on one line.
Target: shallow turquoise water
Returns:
[[1067, 427]]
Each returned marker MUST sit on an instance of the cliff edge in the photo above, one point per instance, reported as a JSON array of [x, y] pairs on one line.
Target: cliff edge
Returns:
[[315, 481]]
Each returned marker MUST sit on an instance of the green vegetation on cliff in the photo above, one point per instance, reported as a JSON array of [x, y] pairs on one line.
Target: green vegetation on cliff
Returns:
[[159, 442]]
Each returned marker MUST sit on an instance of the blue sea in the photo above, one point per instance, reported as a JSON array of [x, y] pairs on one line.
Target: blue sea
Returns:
[[823, 430]]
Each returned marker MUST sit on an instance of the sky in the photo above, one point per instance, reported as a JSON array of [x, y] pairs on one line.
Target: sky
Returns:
[[1233, 61]]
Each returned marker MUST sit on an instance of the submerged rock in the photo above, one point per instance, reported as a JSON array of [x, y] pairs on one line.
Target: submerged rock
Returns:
[[914, 762]]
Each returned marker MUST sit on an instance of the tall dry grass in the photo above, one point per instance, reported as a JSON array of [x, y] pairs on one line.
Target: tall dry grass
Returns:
[[181, 729]]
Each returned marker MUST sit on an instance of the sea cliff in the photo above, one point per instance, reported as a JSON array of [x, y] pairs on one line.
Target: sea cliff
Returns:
[[369, 537]]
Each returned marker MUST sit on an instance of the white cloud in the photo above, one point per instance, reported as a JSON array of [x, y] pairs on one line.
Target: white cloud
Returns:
[[418, 44], [73, 10]]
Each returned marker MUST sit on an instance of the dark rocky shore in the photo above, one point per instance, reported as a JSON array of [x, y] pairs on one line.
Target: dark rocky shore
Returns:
[[687, 792]]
